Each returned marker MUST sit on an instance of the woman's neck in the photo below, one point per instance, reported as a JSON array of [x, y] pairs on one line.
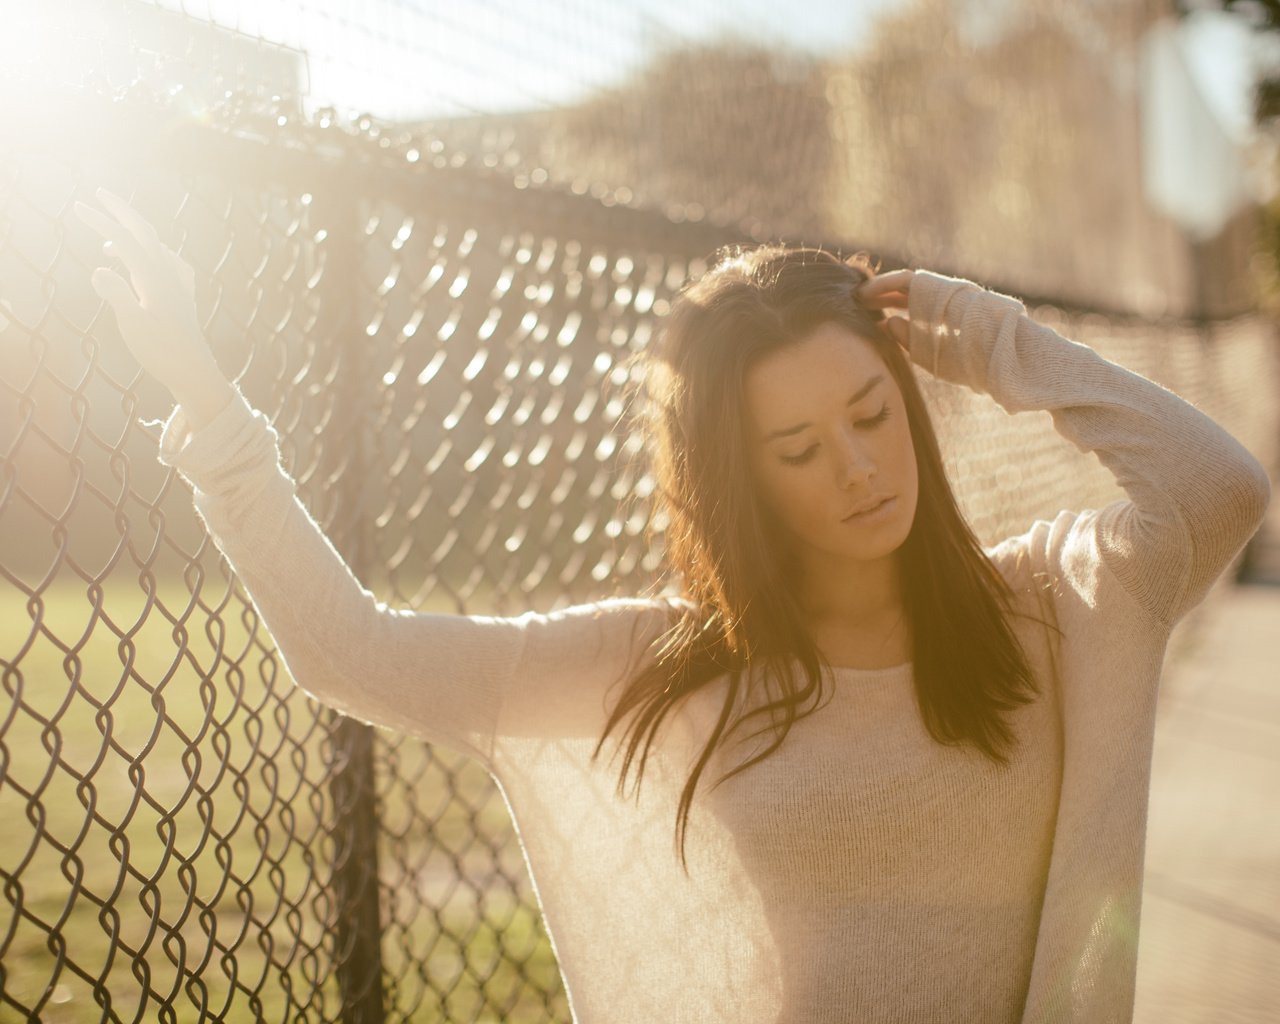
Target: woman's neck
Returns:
[[868, 597]]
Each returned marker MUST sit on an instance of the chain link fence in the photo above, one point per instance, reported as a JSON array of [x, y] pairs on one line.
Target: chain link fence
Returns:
[[439, 343]]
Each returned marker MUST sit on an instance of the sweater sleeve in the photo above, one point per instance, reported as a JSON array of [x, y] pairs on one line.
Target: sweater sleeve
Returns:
[[1195, 495], [438, 676]]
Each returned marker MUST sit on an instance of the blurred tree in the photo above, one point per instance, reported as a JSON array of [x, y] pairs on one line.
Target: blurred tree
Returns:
[[1010, 150], [1263, 17], [997, 139], [735, 126]]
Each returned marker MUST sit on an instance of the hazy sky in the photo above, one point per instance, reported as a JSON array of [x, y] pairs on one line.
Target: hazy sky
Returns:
[[417, 58], [409, 58], [406, 58]]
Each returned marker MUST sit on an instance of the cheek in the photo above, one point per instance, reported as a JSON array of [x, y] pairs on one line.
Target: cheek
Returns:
[[909, 473], [901, 450], [912, 464], [793, 494], [907, 457]]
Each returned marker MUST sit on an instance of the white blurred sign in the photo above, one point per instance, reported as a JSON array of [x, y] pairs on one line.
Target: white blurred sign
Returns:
[[1197, 77]]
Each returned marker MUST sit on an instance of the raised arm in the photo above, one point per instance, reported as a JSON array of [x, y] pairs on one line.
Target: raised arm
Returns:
[[439, 676], [1195, 494]]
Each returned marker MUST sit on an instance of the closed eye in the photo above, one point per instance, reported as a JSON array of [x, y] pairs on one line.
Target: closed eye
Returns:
[[869, 424]]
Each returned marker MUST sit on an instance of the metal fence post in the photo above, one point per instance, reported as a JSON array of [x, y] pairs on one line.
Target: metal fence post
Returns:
[[358, 924], [358, 948]]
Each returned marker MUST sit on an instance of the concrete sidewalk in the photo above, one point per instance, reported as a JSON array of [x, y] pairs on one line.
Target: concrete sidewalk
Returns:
[[1209, 945]]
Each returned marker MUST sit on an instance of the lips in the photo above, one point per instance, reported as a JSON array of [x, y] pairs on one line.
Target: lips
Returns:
[[869, 507]]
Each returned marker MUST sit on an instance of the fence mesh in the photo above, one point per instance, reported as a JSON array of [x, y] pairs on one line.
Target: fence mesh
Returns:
[[438, 339]]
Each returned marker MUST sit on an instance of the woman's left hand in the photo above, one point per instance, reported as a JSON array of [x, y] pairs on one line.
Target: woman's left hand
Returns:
[[890, 291]]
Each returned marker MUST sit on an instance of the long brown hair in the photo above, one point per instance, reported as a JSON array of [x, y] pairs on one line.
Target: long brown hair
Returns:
[[738, 581]]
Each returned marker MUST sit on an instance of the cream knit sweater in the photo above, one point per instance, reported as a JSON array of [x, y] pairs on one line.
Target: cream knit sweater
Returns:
[[863, 872]]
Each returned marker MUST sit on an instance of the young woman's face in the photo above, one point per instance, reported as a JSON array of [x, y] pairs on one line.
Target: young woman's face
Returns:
[[828, 434]]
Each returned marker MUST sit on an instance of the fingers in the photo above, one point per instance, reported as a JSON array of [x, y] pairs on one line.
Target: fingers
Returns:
[[886, 300], [137, 224], [886, 290], [130, 238], [115, 291], [100, 222], [895, 279], [185, 271], [121, 242], [899, 328]]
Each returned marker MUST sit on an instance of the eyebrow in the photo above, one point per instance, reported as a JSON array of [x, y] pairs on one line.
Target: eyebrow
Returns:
[[857, 397]]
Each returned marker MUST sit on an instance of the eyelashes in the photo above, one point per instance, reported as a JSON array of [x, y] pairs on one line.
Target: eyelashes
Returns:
[[807, 454]]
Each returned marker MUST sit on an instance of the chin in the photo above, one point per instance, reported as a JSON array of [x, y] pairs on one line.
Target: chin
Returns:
[[884, 542]]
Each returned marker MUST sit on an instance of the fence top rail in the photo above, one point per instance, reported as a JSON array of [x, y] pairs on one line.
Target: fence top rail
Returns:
[[244, 136]]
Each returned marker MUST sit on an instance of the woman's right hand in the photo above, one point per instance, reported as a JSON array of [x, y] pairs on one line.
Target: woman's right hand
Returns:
[[890, 290], [156, 307]]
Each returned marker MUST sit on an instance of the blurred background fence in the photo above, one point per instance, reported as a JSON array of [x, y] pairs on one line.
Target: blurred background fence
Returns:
[[430, 286]]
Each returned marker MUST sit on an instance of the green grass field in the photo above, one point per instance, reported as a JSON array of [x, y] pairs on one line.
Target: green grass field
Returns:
[[176, 797]]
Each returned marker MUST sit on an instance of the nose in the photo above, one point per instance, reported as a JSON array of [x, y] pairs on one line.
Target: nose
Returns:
[[854, 465]]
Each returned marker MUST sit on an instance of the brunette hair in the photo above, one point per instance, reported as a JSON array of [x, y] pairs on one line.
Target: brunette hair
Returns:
[[740, 606]]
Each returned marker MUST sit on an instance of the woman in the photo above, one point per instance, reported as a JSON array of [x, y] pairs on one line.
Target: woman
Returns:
[[956, 832]]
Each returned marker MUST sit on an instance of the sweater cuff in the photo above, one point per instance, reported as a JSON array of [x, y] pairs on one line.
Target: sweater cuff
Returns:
[[207, 455], [936, 307]]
